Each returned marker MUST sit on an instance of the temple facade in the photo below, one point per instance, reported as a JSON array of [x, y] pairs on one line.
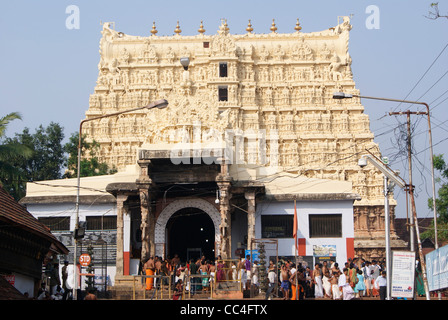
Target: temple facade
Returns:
[[251, 125]]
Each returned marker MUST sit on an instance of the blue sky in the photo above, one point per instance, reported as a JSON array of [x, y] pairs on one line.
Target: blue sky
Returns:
[[49, 71]]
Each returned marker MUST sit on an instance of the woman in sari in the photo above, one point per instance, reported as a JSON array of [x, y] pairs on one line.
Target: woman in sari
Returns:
[[220, 271], [419, 280]]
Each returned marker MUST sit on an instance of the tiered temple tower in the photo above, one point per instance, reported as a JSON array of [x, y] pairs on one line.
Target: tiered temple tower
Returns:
[[278, 86]]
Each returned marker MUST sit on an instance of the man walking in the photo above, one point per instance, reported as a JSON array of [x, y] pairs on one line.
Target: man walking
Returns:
[[272, 279], [381, 285]]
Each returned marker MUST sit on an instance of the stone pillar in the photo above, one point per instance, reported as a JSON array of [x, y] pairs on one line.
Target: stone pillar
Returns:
[[147, 226], [120, 241], [223, 181], [250, 197], [144, 226]]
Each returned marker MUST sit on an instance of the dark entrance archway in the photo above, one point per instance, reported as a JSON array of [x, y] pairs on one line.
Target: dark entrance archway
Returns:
[[191, 233]]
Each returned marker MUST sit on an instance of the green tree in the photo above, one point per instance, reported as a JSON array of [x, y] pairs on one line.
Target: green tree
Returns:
[[47, 160], [441, 202], [48, 157], [90, 165], [11, 176]]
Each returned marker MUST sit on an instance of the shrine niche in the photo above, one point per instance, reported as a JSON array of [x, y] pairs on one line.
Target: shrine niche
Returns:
[[279, 85]]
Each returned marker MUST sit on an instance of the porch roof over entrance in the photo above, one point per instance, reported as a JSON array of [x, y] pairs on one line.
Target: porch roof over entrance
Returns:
[[284, 186]]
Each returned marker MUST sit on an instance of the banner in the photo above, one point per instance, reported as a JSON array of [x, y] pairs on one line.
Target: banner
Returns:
[[403, 274], [437, 268]]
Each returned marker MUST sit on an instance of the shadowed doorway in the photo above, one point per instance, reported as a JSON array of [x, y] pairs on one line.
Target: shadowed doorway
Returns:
[[191, 234]]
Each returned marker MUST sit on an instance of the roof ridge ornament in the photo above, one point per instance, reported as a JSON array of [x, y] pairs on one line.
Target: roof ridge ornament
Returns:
[[177, 30], [249, 28], [154, 30], [201, 29], [297, 27], [273, 27]]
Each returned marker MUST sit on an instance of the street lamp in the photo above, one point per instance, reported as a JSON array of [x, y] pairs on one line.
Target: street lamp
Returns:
[[342, 95], [185, 62], [159, 104], [395, 179]]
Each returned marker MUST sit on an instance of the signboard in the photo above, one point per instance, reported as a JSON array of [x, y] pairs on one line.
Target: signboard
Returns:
[[324, 250], [437, 268], [403, 274], [84, 260], [253, 255], [11, 278]]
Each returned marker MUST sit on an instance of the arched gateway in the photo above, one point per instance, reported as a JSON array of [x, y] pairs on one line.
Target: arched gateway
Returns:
[[175, 206]]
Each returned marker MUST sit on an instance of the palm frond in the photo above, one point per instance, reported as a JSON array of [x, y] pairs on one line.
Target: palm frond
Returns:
[[4, 121]]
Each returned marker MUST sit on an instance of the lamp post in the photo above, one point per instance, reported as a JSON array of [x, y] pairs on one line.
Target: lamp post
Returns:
[[160, 104], [392, 176], [342, 95]]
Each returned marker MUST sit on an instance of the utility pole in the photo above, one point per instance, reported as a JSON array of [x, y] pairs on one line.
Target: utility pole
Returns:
[[411, 195]]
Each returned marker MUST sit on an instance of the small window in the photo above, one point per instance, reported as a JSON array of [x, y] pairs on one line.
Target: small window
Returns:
[[101, 223], [223, 69], [56, 224], [277, 226], [222, 94], [206, 44], [325, 225]]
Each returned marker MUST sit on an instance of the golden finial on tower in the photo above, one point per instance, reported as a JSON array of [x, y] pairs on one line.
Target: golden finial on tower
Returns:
[[201, 29], [273, 27], [154, 30], [298, 27], [226, 27], [249, 28], [177, 30]]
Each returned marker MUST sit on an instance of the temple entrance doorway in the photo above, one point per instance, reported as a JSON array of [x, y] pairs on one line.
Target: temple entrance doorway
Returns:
[[190, 234]]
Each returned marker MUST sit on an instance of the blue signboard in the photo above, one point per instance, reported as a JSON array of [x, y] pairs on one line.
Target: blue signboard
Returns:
[[437, 268], [253, 256]]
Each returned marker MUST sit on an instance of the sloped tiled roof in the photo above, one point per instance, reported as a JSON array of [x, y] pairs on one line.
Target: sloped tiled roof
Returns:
[[8, 291], [13, 213]]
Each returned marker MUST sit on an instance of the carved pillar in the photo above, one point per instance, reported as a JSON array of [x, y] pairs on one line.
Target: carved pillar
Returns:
[[120, 241], [223, 181], [144, 226], [147, 226], [250, 197]]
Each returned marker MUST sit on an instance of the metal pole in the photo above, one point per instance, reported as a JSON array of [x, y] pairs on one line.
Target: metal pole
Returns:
[[411, 186], [162, 103], [387, 231], [436, 242], [75, 268], [431, 155]]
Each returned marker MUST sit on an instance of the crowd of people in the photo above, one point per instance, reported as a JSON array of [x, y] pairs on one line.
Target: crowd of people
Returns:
[[357, 279], [202, 273]]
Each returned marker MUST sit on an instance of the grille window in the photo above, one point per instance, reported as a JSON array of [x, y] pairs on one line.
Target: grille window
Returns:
[[101, 223], [56, 223], [325, 225], [277, 226]]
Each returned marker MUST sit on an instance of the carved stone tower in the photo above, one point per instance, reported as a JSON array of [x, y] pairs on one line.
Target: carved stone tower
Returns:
[[278, 85]]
